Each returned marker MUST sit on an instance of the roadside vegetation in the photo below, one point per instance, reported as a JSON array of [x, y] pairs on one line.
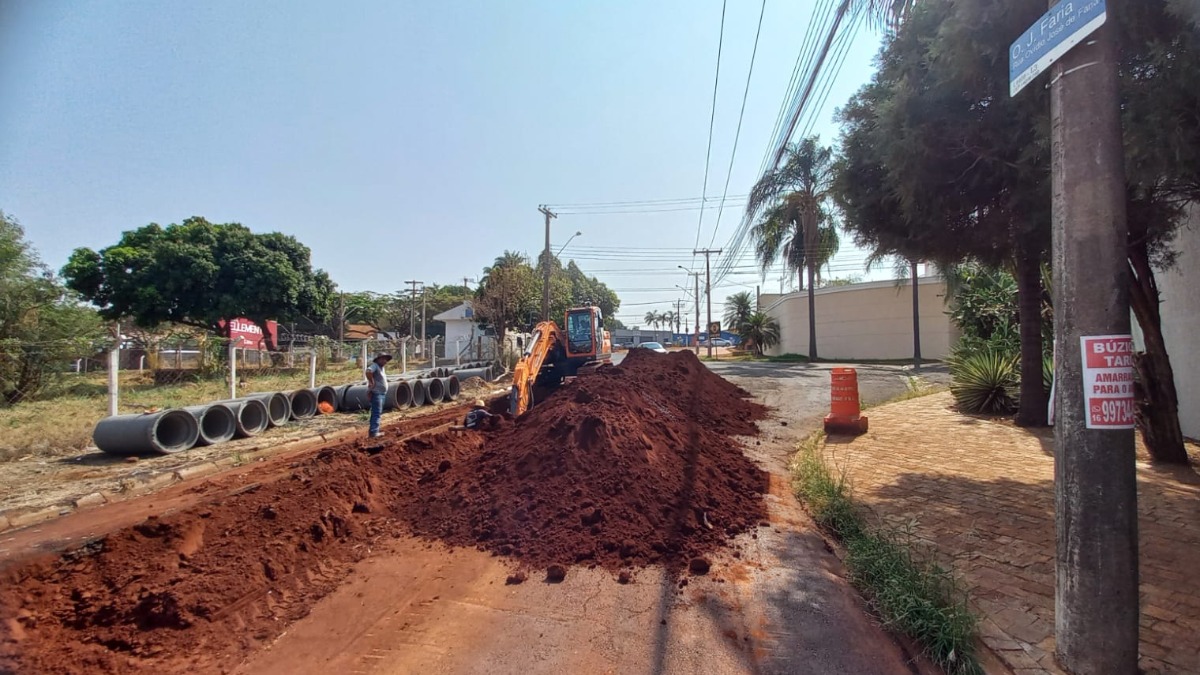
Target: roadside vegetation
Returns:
[[902, 584]]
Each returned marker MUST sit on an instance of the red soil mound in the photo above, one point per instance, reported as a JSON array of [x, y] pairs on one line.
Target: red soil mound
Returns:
[[628, 466]]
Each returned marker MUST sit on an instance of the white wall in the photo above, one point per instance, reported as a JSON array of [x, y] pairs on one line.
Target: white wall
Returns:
[[1180, 288], [461, 328], [865, 321]]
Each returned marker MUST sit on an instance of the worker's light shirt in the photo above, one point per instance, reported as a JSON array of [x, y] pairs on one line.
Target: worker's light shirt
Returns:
[[378, 378]]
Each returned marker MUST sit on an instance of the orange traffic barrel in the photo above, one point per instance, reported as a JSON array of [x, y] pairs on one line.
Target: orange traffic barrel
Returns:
[[844, 409]]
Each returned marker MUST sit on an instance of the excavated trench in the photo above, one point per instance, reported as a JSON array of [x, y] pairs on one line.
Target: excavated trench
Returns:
[[630, 466]]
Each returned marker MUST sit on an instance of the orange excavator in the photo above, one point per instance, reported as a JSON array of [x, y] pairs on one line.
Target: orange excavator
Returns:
[[554, 354]]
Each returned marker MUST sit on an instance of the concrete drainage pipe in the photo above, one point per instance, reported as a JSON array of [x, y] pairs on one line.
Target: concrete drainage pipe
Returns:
[[400, 395], [217, 423], [279, 407], [250, 416], [435, 391], [326, 394], [418, 393], [450, 388], [161, 433], [303, 403]]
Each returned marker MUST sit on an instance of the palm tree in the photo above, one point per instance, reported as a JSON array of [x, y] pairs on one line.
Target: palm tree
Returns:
[[652, 318], [790, 200], [668, 318], [760, 332], [738, 307]]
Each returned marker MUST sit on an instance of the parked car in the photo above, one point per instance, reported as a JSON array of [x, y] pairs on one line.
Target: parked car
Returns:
[[721, 342], [653, 346]]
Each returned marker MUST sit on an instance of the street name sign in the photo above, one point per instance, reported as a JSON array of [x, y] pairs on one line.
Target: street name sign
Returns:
[[1060, 29]]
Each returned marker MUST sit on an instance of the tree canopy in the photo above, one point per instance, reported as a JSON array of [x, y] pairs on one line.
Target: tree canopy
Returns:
[[199, 273], [42, 324]]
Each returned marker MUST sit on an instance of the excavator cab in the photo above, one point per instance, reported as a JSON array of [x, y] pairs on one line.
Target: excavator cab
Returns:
[[585, 332], [553, 355]]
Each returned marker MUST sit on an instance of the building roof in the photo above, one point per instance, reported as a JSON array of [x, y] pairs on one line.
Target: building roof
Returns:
[[463, 312]]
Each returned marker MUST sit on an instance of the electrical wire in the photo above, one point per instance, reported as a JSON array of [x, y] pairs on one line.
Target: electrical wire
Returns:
[[738, 134], [712, 119]]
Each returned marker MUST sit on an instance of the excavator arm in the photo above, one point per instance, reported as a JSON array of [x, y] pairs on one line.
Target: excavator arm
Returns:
[[545, 340]]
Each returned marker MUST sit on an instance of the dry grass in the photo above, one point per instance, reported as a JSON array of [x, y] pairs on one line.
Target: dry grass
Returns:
[[63, 424]]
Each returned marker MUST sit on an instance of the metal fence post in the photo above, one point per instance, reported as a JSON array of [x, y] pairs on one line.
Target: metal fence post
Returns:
[[433, 353], [458, 351], [404, 356], [363, 361], [114, 365]]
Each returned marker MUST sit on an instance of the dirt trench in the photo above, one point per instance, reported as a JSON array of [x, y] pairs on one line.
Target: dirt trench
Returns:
[[631, 466]]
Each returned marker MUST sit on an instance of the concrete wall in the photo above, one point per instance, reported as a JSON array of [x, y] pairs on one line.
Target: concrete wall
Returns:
[[1180, 288], [864, 321]]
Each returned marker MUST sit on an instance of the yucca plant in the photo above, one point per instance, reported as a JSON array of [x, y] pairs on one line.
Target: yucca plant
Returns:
[[985, 382]]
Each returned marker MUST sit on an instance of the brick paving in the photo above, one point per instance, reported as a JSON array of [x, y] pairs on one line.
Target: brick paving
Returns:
[[980, 492]]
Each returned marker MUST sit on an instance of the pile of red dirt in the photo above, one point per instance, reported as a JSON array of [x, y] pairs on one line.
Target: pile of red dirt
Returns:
[[631, 465], [197, 589]]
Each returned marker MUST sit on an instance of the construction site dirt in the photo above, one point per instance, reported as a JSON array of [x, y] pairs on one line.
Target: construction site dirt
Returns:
[[634, 475]]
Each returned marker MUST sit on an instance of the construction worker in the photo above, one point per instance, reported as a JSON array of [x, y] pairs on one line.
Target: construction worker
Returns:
[[378, 385], [477, 415]]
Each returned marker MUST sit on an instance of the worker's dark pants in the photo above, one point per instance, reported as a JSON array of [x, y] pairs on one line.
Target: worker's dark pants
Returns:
[[376, 411]]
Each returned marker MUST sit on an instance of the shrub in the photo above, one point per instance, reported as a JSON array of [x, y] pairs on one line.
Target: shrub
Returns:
[[985, 382]]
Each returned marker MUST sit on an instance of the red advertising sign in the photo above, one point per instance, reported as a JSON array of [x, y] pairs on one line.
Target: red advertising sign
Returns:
[[251, 336], [1108, 381]]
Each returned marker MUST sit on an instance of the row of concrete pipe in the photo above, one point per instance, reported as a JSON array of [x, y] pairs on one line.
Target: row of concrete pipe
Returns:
[[174, 430]]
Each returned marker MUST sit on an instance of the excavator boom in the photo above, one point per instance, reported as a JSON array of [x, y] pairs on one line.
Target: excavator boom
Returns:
[[546, 338]]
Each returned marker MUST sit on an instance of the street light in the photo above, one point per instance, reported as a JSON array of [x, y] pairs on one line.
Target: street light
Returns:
[[564, 246]]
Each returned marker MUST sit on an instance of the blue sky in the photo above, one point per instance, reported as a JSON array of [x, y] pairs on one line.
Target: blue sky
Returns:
[[399, 140]]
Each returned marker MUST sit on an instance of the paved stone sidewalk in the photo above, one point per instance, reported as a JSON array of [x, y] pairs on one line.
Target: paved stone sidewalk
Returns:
[[980, 492]]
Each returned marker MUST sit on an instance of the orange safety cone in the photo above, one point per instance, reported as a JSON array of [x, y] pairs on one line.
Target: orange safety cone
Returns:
[[844, 409]]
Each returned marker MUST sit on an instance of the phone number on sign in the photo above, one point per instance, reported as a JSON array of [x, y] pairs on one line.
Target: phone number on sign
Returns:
[[1112, 412]]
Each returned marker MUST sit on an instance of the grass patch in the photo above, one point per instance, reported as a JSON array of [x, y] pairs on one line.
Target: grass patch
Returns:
[[909, 592]]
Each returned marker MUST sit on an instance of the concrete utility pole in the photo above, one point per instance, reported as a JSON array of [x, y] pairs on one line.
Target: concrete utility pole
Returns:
[[424, 333], [916, 318], [695, 296], [546, 265], [1095, 488], [707, 253], [412, 308]]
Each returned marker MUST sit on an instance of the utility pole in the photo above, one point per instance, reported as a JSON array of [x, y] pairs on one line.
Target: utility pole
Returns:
[[707, 253], [678, 319], [1095, 487], [916, 318], [424, 334], [412, 308], [546, 265]]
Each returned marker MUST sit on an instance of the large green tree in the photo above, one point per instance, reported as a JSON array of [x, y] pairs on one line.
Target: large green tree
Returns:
[[43, 326], [940, 163], [199, 274], [789, 204], [509, 295]]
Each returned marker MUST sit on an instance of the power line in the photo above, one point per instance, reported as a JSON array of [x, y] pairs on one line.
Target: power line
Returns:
[[738, 134], [635, 202], [712, 119]]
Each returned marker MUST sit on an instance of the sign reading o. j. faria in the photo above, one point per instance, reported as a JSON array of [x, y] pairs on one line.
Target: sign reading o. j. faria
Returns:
[[1060, 29]]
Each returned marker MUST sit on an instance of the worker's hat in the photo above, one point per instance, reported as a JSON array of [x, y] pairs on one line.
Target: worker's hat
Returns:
[[479, 403], [383, 355]]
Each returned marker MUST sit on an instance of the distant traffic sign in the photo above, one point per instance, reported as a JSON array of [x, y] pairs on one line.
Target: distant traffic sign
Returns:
[[1060, 29]]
